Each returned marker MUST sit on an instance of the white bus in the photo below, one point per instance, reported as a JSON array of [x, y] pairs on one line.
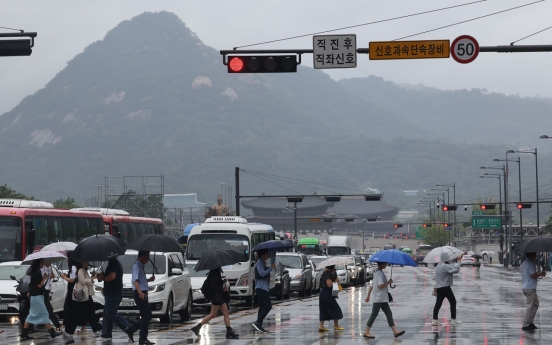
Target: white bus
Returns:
[[233, 233]]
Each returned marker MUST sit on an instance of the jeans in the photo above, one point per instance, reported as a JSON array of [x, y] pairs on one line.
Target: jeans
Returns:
[[375, 311], [532, 301], [145, 315], [442, 293], [51, 314], [110, 316], [265, 305]]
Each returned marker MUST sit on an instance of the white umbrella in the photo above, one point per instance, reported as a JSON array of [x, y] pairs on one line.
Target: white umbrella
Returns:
[[470, 253], [434, 256], [61, 247], [47, 255], [336, 260]]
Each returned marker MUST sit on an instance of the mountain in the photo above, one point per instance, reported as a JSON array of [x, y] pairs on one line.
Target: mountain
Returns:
[[151, 98]]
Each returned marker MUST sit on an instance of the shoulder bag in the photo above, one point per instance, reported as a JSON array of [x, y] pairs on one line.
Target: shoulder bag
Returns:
[[434, 293], [80, 291]]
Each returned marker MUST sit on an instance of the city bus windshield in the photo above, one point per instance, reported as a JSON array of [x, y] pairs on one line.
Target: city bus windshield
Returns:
[[10, 239], [337, 250], [206, 243], [309, 249]]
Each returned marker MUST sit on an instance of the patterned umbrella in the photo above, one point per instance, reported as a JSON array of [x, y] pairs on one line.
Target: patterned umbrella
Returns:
[[434, 256], [61, 247], [47, 255], [337, 260]]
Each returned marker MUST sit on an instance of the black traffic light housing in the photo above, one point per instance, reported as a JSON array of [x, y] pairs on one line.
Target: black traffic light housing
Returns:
[[15, 47], [449, 207], [262, 64], [426, 225], [524, 205], [487, 206], [397, 225]]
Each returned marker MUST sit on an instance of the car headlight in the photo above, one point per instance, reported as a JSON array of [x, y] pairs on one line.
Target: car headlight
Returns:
[[244, 280], [157, 288], [97, 289], [197, 290], [18, 293], [297, 277]]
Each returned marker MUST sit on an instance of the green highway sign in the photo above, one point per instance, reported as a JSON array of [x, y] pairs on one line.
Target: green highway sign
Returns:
[[486, 223], [478, 213]]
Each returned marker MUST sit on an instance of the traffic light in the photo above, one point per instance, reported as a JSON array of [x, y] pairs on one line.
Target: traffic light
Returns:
[[524, 205], [426, 225], [262, 64], [446, 225], [397, 225], [449, 207], [487, 206], [15, 47]]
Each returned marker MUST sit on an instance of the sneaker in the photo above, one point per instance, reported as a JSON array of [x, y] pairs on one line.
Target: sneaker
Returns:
[[527, 328], [435, 323], [257, 327], [455, 322], [532, 325]]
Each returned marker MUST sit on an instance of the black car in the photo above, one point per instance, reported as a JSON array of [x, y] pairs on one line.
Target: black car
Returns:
[[282, 288]]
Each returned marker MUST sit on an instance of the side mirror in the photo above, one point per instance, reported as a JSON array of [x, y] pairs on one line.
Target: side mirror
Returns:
[[176, 272], [13, 278]]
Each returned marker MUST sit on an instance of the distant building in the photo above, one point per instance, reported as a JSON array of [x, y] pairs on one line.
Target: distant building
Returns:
[[407, 216], [411, 192], [182, 201]]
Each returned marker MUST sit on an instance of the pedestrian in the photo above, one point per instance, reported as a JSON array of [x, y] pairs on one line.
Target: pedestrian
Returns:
[[73, 267], [140, 287], [505, 258], [38, 314], [113, 295], [216, 290], [47, 270], [262, 289], [443, 281], [82, 309], [328, 306], [529, 277], [477, 267], [380, 301], [490, 258]]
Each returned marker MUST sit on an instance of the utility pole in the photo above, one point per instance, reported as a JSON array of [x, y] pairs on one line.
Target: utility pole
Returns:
[[237, 177]]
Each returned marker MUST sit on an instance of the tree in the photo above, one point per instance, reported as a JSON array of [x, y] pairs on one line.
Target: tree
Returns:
[[67, 203], [8, 193], [436, 236]]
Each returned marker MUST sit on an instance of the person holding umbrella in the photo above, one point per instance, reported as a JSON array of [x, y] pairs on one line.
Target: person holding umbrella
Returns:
[[443, 281], [328, 307], [38, 314], [262, 288], [140, 287], [47, 270], [529, 277]]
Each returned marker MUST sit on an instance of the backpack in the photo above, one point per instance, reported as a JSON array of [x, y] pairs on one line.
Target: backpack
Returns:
[[24, 284]]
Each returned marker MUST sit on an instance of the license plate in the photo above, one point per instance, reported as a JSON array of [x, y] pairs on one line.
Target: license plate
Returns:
[[127, 304], [3, 307]]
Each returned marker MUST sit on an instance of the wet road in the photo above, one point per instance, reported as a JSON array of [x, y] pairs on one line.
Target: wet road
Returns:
[[491, 309]]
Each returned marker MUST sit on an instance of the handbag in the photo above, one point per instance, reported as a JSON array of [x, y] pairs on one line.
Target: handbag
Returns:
[[434, 293], [339, 287], [335, 289], [390, 297], [79, 295]]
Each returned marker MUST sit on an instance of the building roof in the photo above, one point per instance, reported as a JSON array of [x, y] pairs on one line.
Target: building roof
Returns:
[[280, 203], [181, 201], [359, 206]]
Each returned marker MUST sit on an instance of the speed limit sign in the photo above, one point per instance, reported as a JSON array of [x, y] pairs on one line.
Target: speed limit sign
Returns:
[[464, 49]]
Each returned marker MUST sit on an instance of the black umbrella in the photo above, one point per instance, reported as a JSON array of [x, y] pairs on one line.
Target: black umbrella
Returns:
[[273, 245], [477, 256], [98, 248], [536, 245], [218, 258], [155, 243]]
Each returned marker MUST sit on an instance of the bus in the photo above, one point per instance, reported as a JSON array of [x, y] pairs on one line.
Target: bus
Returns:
[[309, 246], [233, 233], [183, 240], [28, 225]]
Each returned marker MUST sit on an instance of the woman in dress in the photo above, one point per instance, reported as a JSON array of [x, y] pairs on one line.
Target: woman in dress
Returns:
[[380, 301], [83, 312], [219, 296], [71, 278], [329, 309], [38, 315]]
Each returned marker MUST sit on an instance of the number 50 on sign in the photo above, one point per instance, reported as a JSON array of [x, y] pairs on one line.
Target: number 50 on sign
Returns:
[[464, 49]]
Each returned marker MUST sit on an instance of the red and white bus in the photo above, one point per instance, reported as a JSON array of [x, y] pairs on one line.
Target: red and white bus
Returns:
[[27, 225], [128, 227]]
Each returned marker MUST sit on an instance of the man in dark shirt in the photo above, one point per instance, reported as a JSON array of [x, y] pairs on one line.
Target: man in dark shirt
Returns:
[[113, 294]]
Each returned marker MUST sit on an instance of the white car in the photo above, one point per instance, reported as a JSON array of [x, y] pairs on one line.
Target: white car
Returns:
[[9, 305], [344, 275], [170, 292], [299, 270]]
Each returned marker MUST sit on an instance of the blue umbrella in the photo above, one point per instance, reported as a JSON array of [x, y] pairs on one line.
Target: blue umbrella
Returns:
[[273, 245], [393, 257]]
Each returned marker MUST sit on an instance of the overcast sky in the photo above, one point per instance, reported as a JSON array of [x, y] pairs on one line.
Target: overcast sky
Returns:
[[66, 27]]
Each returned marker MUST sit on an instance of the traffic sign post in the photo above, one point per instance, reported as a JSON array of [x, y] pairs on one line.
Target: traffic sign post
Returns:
[[464, 49], [334, 51], [393, 50]]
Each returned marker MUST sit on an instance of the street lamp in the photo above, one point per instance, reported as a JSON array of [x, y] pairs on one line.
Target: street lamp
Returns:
[[453, 186], [534, 151], [487, 175]]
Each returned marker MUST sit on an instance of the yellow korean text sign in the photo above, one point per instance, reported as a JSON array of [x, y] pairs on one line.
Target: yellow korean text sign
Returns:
[[393, 50]]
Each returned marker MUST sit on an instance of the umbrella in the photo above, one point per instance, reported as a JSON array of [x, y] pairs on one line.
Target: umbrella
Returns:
[[98, 248], [336, 260], [155, 243], [470, 252], [218, 258], [61, 247], [536, 245], [47, 255], [272, 245], [477, 256], [393, 257], [434, 256]]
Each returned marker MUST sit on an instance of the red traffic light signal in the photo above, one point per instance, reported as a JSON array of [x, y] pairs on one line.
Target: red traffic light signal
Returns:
[[524, 205], [449, 207], [425, 225], [446, 225], [397, 225], [487, 206], [262, 64]]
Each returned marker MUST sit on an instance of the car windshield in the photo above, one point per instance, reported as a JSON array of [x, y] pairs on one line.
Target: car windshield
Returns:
[[340, 267], [290, 261], [16, 270], [193, 272], [10, 239], [467, 257], [207, 243], [128, 260]]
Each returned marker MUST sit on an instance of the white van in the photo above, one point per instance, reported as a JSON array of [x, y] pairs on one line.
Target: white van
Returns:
[[233, 233]]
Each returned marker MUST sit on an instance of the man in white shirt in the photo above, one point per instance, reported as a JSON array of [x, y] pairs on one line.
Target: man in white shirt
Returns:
[[529, 277], [47, 270]]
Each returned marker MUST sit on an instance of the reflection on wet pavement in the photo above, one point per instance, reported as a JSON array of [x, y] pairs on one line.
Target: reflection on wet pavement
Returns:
[[491, 309]]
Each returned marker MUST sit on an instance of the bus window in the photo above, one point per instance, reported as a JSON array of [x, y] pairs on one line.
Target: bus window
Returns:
[[41, 231], [10, 239], [159, 229], [107, 228], [83, 228], [96, 226], [69, 231]]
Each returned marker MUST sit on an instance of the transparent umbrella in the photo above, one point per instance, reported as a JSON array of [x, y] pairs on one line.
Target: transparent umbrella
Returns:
[[434, 256]]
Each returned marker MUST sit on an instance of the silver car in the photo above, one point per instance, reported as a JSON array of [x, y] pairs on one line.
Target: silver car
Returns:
[[300, 272]]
